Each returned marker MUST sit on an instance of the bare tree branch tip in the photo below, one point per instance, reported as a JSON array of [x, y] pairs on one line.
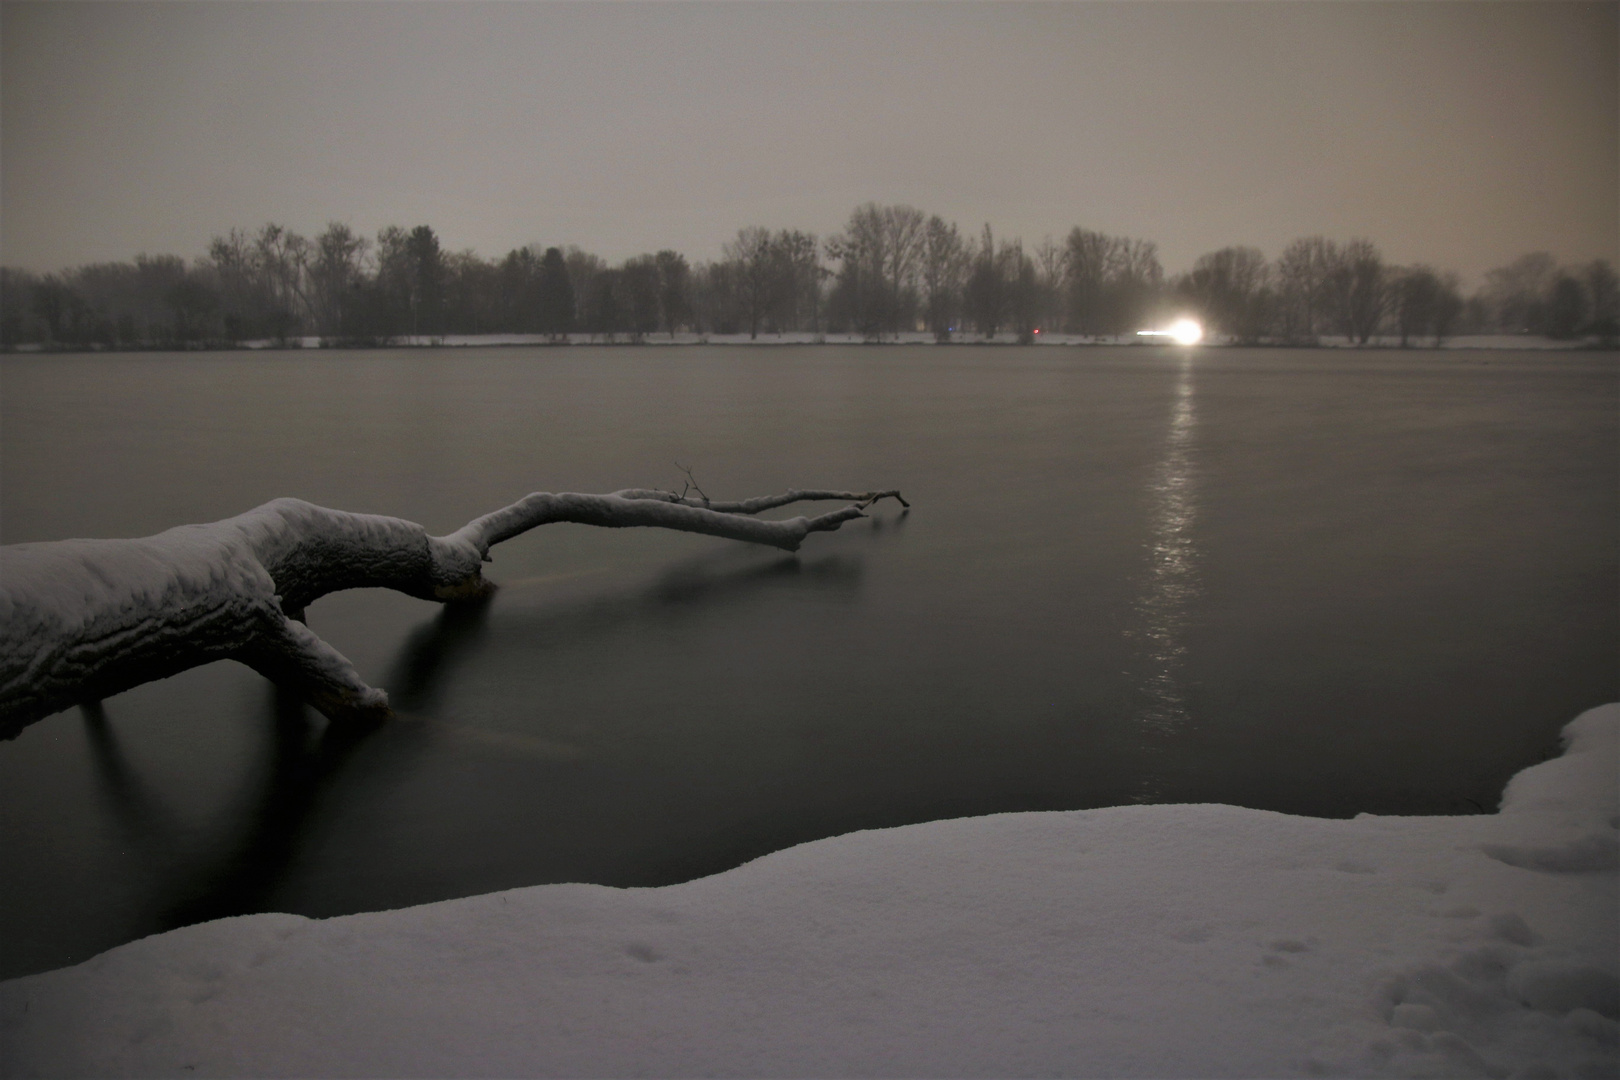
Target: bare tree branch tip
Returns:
[[692, 480]]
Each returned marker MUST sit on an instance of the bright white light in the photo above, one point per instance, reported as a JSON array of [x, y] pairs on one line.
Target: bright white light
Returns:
[[1185, 332]]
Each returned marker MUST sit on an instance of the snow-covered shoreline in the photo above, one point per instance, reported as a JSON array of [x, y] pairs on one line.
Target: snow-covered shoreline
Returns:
[[1132, 941]]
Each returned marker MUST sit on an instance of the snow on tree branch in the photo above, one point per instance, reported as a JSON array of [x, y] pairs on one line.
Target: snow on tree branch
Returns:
[[85, 619]]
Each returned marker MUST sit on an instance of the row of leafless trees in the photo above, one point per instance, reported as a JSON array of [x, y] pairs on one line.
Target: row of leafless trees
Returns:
[[1317, 288], [891, 269]]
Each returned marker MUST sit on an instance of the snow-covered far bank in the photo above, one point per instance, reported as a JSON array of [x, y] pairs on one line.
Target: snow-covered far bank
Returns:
[[909, 337], [1158, 941], [918, 337]]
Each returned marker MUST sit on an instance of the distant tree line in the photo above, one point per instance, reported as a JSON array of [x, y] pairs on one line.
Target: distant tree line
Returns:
[[892, 269]]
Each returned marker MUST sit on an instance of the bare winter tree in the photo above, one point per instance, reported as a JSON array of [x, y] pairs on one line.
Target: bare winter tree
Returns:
[[715, 308], [582, 267], [1111, 282], [984, 296], [1415, 295], [336, 270], [1358, 283], [85, 619], [1137, 280], [279, 258], [1448, 307], [1087, 258], [554, 295], [1023, 291], [1423, 302], [1302, 272], [605, 312], [797, 301], [944, 266], [880, 250], [751, 252], [904, 228], [640, 280], [231, 259], [674, 290], [1051, 264], [1517, 293], [1566, 306], [1603, 288], [1230, 287]]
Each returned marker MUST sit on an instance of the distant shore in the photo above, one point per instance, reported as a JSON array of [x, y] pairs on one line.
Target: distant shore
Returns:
[[1518, 342]]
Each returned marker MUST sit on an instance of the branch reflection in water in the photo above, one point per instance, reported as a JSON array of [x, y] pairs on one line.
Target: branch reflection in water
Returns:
[[302, 766], [138, 816], [311, 777], [1165, 609]]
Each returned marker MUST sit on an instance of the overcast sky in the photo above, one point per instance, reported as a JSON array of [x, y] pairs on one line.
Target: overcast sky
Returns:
[[1459, 134]]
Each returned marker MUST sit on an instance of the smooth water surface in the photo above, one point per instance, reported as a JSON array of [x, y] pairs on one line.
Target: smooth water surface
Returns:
[[1311, 581]]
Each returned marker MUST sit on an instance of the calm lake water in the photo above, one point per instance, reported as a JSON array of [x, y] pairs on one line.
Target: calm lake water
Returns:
[[1317, 582]]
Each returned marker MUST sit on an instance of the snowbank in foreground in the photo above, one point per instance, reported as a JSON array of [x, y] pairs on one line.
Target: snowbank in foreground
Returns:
[[1134, 941]]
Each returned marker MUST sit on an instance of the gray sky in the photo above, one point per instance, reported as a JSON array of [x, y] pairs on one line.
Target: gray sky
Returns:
[[1460, 134]]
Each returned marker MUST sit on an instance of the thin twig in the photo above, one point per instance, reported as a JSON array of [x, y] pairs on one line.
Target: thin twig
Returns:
[[693, 481]]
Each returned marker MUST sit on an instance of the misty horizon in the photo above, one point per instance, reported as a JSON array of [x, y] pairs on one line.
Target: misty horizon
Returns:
[[1461, 135], [537, 246]]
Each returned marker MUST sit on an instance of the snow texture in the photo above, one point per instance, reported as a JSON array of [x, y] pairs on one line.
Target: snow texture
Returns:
[[1186, 941], [87, 618]]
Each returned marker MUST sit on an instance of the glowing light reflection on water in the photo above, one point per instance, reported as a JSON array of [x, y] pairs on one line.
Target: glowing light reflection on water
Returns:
[[1172, 579]]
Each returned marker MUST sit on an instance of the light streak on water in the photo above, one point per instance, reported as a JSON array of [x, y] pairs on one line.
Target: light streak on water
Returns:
[[1165, 607]]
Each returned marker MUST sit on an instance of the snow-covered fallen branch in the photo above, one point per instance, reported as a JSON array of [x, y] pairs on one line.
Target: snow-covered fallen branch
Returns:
[[81, 620]]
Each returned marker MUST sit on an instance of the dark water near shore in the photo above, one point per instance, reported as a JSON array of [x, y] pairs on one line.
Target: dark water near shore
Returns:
[[1315, 582]]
